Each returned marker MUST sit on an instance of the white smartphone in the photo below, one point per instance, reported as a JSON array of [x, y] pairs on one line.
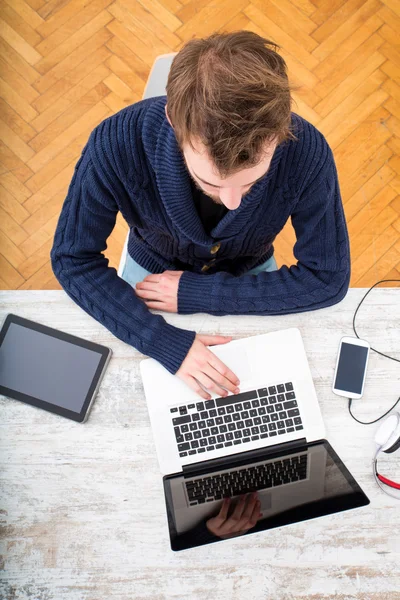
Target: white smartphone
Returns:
[[351, 367]]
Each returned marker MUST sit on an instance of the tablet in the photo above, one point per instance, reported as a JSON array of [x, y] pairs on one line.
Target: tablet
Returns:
[[50, 369]]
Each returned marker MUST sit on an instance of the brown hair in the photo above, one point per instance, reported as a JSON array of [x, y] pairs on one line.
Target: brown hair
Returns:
[[231, 92]]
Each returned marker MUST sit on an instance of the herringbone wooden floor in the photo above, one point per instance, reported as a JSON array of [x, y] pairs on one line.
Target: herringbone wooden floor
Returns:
[[68, 64]]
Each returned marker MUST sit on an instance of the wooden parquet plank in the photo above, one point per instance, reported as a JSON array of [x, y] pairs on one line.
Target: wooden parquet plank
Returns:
[[350, 113], [380, 269], [239, 21], [394, 5], [279, 35], [67, 90], [63, 12], [34, 242], [37, 282], [15, 143], [356, 60], [19, 64], [172, 5], [89, 120], [74, 42], [36, 261], [11, 277], [158, 11], [14, 254], [23, 48], [73, 60], [76, 22], [11, 228], [351, 183], [372, 210], [341, 35], [332, 16], [366, 237], [15, 187], [217, 13], [372, 253], [350, 45], [145, 37], [16, 82], [362, 142], [13, 97], [66, 65], [349, 84], [190, 9], [273, 11], [292, 13], [390, 17], [56, 174], [83, 103], [13, 208], [41, 216], [368, 190], [127, 37]]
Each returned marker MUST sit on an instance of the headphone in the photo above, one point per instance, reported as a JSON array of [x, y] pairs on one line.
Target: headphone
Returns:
[[387, 439]]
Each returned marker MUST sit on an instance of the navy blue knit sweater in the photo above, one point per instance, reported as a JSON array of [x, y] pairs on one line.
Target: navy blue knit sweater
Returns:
[[132, 163]]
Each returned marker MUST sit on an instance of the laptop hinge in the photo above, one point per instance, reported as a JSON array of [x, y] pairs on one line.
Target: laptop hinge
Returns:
[[232, 460]]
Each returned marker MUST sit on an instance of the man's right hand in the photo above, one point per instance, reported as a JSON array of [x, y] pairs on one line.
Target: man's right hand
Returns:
[[201, 365]]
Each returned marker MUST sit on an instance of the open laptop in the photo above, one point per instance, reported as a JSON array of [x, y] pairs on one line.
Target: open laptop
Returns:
[[269, 438]]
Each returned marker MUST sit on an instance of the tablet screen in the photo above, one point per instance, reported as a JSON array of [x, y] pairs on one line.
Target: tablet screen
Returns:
[[47, 368]]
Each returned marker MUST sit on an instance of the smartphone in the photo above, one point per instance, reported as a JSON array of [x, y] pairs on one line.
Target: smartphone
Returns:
[[351, 367]]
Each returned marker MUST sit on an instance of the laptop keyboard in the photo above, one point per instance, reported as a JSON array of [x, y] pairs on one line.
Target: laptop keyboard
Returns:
[[236, 420], [246, 480]]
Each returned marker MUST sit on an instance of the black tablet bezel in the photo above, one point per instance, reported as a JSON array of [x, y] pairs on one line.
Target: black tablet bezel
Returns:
[[61, 335]]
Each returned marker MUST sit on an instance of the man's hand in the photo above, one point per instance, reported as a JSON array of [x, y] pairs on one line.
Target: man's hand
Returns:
[[243, 518], [160, 291], [201, 365]]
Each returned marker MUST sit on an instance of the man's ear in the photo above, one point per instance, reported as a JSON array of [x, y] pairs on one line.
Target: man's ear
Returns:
[[167, 115]]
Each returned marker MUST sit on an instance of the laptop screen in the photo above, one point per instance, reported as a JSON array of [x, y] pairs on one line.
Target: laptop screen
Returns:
[[302, 484]]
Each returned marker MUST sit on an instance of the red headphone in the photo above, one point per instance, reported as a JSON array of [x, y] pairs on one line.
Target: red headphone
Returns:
[[387, 439]]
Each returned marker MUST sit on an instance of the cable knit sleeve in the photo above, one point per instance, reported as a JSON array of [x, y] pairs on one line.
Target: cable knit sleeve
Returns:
[[320, 278], [87, 218]]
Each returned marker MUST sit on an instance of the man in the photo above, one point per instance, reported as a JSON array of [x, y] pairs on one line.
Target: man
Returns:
[[205, 177]]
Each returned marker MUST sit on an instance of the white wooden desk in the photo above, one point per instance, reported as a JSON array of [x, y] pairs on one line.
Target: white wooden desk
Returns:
[[82, 505]]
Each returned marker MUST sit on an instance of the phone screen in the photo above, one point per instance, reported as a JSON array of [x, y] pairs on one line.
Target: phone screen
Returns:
[[351, 368]]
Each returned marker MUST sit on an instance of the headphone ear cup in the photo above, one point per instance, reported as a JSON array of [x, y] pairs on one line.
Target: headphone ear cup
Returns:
[[394, 447], [388, 434]]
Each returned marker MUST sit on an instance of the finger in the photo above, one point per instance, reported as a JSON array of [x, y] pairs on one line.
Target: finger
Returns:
[[213, 340], [152, 278], [255, 514], [238, 512], [149, 294], [240, 521], [210, 384], [147, 285], [252, 501], [228, 377], [219, 378], [223, 513]]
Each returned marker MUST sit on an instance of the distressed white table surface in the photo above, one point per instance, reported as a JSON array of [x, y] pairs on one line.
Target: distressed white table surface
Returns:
[[82, 505]]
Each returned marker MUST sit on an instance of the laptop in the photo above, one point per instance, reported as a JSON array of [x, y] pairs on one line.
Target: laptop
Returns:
[[268, 438]]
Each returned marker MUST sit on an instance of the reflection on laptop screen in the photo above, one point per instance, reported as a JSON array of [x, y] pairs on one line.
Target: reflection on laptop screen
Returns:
[[297, 486]]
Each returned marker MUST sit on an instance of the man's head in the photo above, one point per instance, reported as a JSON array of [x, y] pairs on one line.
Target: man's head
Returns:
[[229, 102]]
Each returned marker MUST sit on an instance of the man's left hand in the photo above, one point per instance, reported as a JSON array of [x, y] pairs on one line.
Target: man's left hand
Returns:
[[160, 291]]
